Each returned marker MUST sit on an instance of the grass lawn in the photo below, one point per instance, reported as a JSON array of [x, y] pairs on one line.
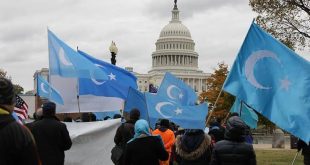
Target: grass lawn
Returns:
[[277, 157]]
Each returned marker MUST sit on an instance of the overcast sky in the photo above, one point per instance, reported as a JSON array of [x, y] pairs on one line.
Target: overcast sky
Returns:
[[218, 28]]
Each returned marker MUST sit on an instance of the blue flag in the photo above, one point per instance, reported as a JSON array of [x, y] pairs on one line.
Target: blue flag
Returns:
[[188, 117], [273, 80], [136, 99], [44, 89], [66, 62], [246, 113], [177, 91], [116, 86]]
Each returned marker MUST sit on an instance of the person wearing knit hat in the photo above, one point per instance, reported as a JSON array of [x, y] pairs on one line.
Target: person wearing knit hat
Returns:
[[167, 136], [52, 136], [7, 95], [49, 109], [15, 139]]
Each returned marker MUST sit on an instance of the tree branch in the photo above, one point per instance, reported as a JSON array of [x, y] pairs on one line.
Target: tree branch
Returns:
[[299, 31], [300, 5]]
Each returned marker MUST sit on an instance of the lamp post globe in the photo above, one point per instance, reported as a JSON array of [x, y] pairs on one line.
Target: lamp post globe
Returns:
[[113, 49]]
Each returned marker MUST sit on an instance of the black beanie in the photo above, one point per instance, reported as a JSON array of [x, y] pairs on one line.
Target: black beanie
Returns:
[[235, 129], [164, 123], [7, 94], [49, 109]]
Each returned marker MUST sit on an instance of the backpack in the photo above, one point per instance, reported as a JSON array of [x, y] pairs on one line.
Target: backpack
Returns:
[[116, 154], [117, 151]]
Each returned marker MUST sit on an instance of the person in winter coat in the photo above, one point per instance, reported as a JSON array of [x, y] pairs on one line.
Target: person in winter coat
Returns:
[[126, 131], [233, 150], [193, 148], [17, 145], [167, 136], [143, 148], [52, 136]]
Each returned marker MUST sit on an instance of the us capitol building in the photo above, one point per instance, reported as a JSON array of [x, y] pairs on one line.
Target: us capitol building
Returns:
[[175, 53]]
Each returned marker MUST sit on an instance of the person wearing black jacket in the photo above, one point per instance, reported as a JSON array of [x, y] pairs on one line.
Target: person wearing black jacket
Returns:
[[143, 148], [52, 136], [16, 142], [233, 150], [126, 131]]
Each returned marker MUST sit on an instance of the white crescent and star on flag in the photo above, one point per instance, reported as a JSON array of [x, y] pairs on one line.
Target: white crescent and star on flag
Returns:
[[62, 57], [249, 69], [111, 76], [174, 96], [159, 106], [171, 96], [43, 88]]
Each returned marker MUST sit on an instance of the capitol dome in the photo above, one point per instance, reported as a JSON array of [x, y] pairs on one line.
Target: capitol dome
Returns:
[[175, 49], [174, 53], [174, 29]]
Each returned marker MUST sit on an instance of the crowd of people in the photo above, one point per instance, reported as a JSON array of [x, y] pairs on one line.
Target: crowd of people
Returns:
[[169, 144], [43, 141]]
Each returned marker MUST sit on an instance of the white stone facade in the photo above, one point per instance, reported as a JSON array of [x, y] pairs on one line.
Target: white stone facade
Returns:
[[175, 53]]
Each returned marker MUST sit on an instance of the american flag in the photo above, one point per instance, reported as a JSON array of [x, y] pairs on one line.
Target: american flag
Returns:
[[21, 108]]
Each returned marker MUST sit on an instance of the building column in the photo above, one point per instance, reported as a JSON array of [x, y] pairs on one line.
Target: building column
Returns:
[[185, 60], [200, 85], [168, 59], [192, 61], [158, 63], [193, 83], [156, 60], [173, 59]]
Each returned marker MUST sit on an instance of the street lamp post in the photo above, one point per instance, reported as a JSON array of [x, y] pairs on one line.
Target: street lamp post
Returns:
[[113, 50]]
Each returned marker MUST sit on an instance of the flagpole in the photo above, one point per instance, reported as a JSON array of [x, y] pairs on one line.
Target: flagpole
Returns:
[[147, 112], [37, 94], [293, 162], [209, 117], [77, 90], [240, 110], [224, 121]]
